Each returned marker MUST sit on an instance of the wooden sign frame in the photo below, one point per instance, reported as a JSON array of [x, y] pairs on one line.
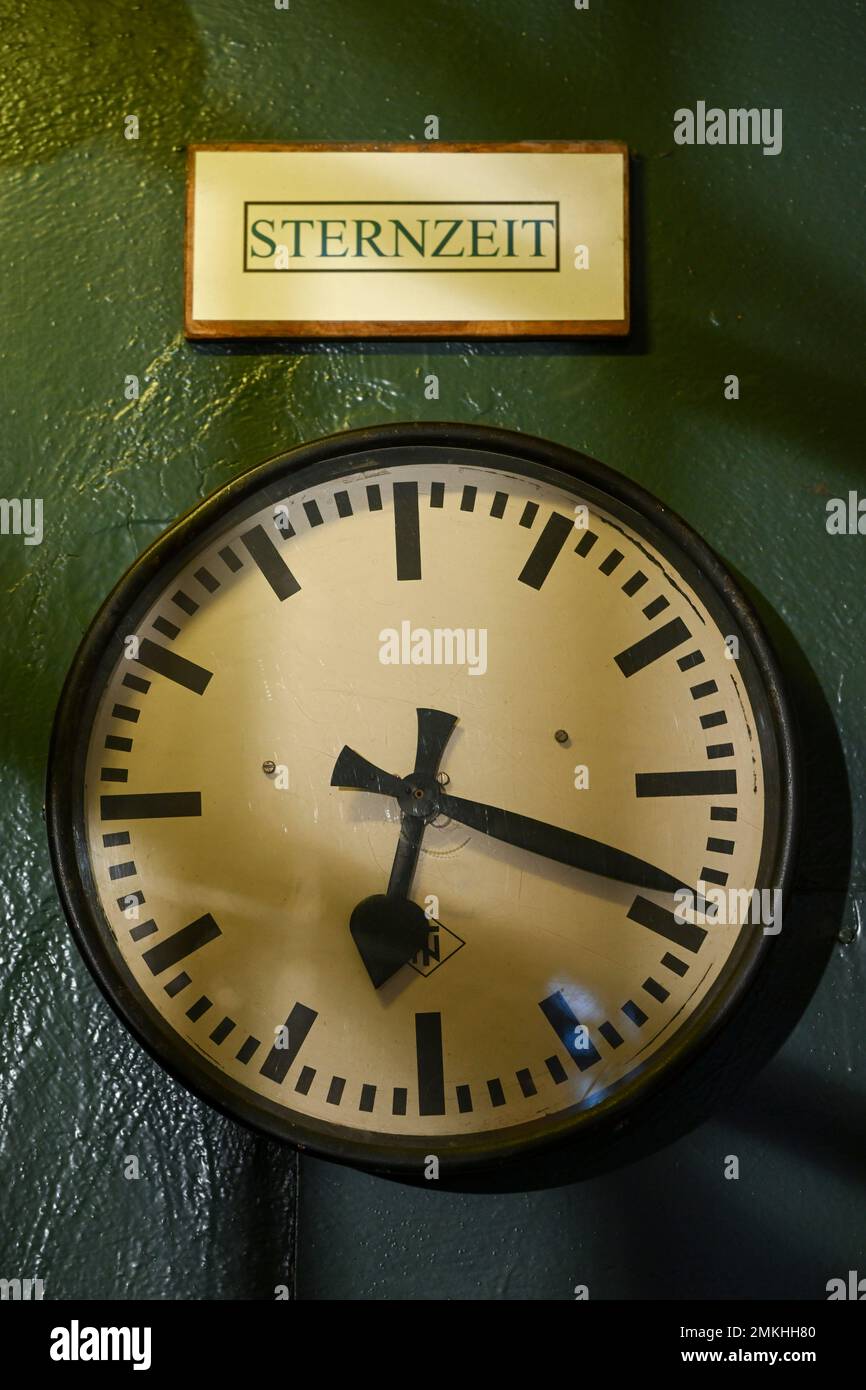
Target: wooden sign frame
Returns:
[[356, 328]]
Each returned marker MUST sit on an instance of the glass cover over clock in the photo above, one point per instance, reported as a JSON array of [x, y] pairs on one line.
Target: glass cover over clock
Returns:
[[379, 781]]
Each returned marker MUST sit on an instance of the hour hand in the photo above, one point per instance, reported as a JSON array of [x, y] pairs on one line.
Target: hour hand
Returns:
[[388, 929]]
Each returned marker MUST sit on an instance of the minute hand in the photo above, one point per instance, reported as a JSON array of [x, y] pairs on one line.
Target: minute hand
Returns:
[[563, 846]]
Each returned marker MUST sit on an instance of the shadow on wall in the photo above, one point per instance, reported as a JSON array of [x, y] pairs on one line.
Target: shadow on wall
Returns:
[[717, 1079], [74, 71]]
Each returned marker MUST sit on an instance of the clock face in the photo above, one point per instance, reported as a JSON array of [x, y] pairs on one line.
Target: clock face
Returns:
[[380, 780]]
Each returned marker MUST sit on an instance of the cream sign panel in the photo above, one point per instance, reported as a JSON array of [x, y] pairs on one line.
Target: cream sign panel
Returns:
[[439, 240]]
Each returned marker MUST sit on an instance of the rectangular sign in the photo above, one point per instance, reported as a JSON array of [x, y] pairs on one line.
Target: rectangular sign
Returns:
[[437, 240]]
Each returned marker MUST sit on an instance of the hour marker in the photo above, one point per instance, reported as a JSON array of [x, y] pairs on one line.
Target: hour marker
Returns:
[[335, 1090], [131, 899], [497, 1095], [556, 1069], [530, 511], [173, 667], [428, 1051], [126, 711], [114, 774], [169, 630], [142, 929], [437, 494], [248, 1049], [464, 1100], [176, 985], [636, 582], [686, 663], [150, 805], [710, 721], [633, 1012], [270, 562], [705, 688], [467, 501], [720, 750], [685, 783], [287, 1046], [184, 602], [723, 813], [526, 1083], [344, 504], [305, 1080], [206, 580], [679, 967], [713, 876], [720, 846], [368, 1098], [181, 944], [200, 1007], [564, 1022], [119, 745], [556, 531], [656, 644], [398, 1104], [230, 559], [222, 1030], [657, 991], [374, 497], [120, 837], [407, 533], [126, 870], [610, 1035], [314, 516], [136, 683], [657, 606], [664, 923], [610, 562], [497, 506], [586, 542]]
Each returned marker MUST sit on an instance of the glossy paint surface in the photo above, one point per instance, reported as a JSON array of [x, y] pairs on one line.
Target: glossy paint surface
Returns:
[[743, 264]]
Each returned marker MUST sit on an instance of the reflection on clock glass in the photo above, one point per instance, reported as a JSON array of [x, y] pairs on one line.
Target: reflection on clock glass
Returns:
[[392, 779]]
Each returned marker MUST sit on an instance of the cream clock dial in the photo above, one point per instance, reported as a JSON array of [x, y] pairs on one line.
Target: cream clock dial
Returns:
[[402, 795]]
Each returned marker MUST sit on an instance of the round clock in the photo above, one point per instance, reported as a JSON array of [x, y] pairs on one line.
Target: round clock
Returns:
[[424, 793]]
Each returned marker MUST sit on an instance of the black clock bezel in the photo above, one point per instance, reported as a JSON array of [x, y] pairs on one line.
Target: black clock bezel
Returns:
[[68, 843]]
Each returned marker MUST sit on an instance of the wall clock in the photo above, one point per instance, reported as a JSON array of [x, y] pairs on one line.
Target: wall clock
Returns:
[[375, 779]]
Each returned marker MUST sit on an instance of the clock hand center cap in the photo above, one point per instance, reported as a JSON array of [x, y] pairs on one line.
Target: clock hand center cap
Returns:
[[419, 797]]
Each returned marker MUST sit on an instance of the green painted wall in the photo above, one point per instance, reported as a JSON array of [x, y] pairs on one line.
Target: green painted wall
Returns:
[[743, 264]]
